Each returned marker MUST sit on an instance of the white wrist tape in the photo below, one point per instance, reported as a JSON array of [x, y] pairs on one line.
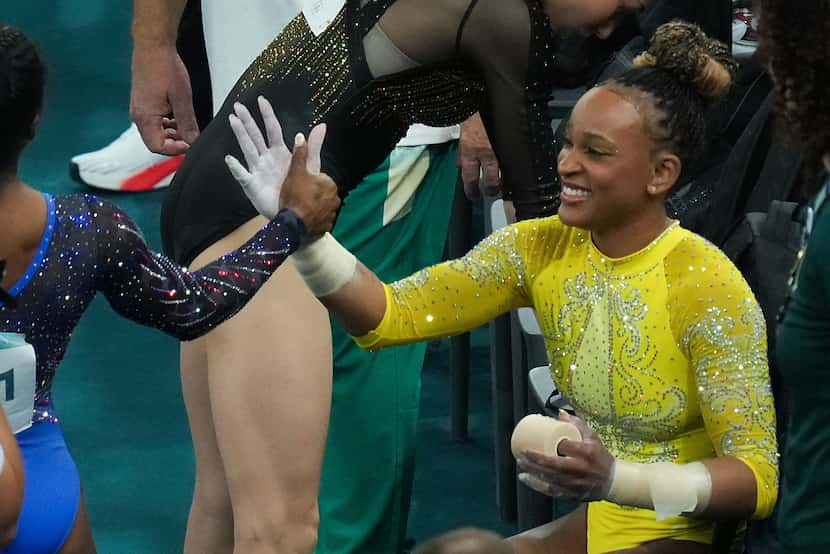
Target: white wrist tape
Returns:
[[2, 458], [668, 489], [325, 265]]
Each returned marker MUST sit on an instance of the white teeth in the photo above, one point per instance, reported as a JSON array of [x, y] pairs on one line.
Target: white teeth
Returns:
[[575, 192]]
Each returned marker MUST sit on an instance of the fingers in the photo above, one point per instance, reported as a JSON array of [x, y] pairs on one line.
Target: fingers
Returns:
[[239, 173], [470, 175], [299, 158], [172, 134], [251, 127], [333, 200], [491, 175], [315, 147], [272, 125], [573, 456], [539, 463], [181, 100], [536, 484], [152, 131], [584, 429], [555, 483], [249, 149], [174, 147]]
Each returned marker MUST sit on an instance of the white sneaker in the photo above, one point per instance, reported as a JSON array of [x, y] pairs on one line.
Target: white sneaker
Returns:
[[744, 33], [124, 165]]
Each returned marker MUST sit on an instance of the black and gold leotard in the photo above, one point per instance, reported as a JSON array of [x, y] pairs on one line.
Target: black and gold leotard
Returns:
[[381, 66]]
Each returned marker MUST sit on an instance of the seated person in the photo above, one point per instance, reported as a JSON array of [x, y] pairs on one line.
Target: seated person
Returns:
[[651, 331]]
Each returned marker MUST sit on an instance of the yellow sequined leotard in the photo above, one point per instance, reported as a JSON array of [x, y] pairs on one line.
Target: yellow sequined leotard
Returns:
[[662, 352]]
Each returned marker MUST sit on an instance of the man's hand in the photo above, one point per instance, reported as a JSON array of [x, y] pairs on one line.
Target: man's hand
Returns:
[[275, 178], [477, 161], [161, 87]]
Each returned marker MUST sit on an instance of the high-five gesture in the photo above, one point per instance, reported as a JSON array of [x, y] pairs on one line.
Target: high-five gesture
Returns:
[[275, 178]]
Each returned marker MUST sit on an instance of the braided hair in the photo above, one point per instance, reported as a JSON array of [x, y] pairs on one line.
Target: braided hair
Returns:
[[795, 45], [22, 89], [676, 80]]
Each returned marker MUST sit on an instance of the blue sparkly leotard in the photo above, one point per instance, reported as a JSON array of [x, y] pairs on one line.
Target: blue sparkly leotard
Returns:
[[91, 246]]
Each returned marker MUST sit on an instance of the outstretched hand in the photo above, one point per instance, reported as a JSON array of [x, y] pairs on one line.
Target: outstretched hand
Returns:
[[275, 178], [582, 471]]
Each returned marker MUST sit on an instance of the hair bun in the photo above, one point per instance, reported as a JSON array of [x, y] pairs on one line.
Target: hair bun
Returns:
[[685, 50]]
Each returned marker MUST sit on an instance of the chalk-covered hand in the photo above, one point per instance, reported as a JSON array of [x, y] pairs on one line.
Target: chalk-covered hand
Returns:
[[268, 162]]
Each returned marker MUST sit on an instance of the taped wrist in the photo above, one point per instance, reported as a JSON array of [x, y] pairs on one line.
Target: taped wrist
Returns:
[[2, 458], [668, 489], [325, 265]]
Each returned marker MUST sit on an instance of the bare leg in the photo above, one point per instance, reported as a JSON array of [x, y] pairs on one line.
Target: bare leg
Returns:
[[669, 547], [569, 535], [566, 535], [80, 539], [210, 523], [269, 382]]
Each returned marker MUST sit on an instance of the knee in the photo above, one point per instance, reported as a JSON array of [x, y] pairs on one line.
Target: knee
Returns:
[[289, 529]]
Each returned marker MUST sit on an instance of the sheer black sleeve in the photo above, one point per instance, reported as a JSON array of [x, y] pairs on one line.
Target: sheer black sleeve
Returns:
[[514, 45], [511, 45], [150, 289]]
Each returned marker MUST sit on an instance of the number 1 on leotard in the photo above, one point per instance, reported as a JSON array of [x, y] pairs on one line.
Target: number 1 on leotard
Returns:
[[8, 378]]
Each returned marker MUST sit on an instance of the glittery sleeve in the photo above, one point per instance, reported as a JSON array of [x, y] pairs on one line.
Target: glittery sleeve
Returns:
[[456, 296], [722, 329], [150, 289]]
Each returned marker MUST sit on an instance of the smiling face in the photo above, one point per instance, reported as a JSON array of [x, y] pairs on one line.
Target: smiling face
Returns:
[[612, 171], [598, 17]]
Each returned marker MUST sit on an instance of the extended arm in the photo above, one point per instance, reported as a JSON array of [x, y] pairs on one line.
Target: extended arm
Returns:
[[444, 300], [150, 289]]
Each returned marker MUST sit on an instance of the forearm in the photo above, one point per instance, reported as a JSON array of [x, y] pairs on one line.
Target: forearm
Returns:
[[360, 304], [734, 489], [415, 308], [352, 293], [152, 290], [720, 488], [156, 22]]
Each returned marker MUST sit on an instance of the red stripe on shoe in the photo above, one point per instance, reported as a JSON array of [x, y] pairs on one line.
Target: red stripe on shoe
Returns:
[[147, 179]]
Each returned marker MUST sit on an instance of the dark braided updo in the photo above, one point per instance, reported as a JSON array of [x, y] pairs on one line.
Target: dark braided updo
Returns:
[[680, 75], [22, 88], [794, 42]]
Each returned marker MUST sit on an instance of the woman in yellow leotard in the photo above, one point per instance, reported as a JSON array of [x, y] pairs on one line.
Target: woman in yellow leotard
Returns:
[[651, 332]]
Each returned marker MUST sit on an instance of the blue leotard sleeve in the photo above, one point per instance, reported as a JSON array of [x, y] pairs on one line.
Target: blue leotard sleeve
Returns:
[[150, 289]]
